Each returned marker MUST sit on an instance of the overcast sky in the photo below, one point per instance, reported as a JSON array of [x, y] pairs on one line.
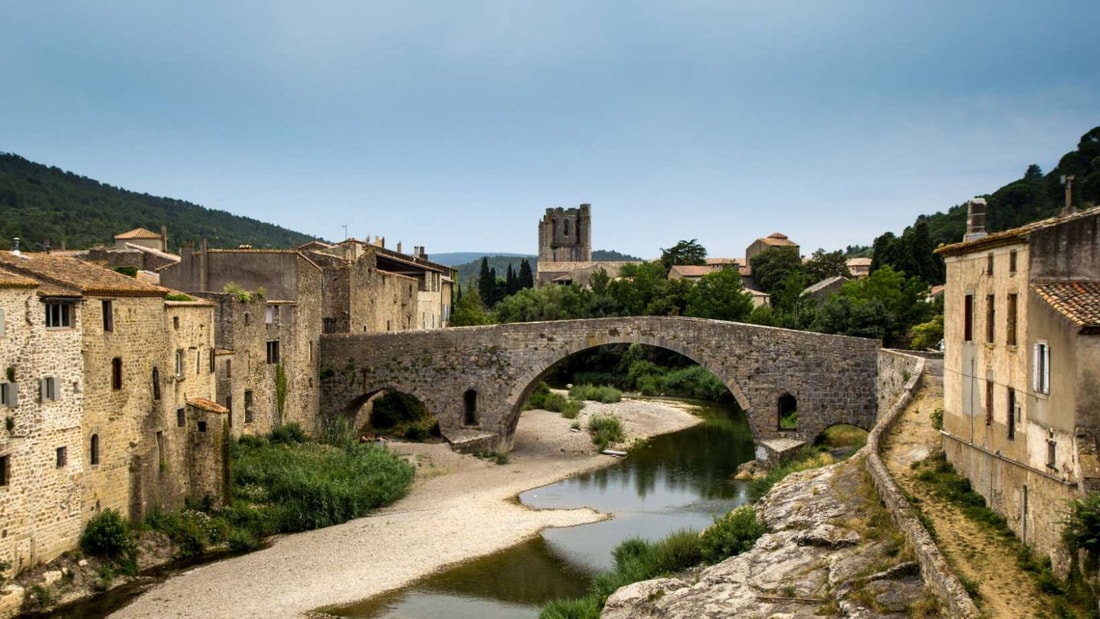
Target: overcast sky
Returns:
[[454, 125]]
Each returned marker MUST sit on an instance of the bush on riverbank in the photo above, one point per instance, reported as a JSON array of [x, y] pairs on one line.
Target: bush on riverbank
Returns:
[[637, 559], [543, 398], [605, 430], [597, 393]]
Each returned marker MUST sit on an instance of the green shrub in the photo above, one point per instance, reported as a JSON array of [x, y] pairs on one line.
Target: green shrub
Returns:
[[731, 534], [602, 393], [937, 418], [581, 608], [178, 296], [1082, 526], [605, 430], [191, 530], [571, 409], [789, 421], [679, 551], [537, 399], [242, 540], [131, 271], [695, 382], [288, 434], [108, 535]]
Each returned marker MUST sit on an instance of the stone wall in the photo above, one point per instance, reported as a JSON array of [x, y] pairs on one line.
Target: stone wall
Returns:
[[895, 370], [40, 515], [934, 569], [831, 377]]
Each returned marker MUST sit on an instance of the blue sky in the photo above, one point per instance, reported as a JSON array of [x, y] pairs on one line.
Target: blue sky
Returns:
[[454, 125]]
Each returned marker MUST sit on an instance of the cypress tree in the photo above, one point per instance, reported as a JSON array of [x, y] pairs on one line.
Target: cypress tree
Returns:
[[525, 278]]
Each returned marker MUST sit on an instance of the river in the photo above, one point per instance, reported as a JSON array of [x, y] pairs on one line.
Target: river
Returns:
[[675, 481]]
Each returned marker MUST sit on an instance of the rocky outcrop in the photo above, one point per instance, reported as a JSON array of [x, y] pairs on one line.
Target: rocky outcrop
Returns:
[[831, 550]]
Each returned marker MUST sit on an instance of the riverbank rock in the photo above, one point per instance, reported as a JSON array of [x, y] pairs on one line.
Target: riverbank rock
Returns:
[[748, 471], [831, 551]]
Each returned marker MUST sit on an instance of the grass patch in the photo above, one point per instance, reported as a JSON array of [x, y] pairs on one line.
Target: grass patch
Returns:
[[597, 393], [842, 435], [605, 430], [493, 456], [807, 458]]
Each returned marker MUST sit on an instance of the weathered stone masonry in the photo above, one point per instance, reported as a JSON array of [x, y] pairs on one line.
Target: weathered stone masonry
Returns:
[[475, 379]]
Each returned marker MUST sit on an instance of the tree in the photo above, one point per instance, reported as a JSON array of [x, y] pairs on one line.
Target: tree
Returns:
[[684, 252], [526, 278], [486, 282], [1033, 172], [823, 265], [469, 311], [773, 265], [548, 303], [720, 296], [511, 281]]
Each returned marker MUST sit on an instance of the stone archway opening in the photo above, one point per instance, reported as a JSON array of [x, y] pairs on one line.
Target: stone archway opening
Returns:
[[469, 405], [787, 413], [390, 412]]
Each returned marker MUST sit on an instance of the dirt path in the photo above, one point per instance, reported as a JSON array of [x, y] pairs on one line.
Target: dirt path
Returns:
[[976, 553]]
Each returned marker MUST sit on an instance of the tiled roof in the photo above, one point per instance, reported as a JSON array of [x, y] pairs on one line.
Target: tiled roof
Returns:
[[207, 405], [1077, 301], [1015, 235], [691, 270], [858, 262], [137, 233], [15, 280], [63, 275], [778, 239]]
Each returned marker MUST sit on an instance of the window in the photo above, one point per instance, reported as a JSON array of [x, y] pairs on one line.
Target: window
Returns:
[[156, 384], [1010, 330], [788, 412], [59, 315], [116, 373], [93, 451], [1052, 453], [5, 470], [176, 322], [989, 264], [247, 318], [179, 362], [469, 400], [273, 351], [229, 407], [47, 389], [213, 367], [108, 316], [229, 368], [1012, 261], [198, 362], [270, 312], [181, 417], [1, 323], [1040, 368], [989, 401], [968, 318], [201, 426], [1011, 414], [249, 414], [990, 328], [9, 394], [62, 456]]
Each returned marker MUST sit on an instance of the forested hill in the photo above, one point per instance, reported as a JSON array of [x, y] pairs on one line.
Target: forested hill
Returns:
[[43, 204], [1033, 197]]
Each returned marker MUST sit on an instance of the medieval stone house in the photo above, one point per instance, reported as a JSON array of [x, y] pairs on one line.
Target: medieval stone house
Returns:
[[107, 387], [1022, 367]]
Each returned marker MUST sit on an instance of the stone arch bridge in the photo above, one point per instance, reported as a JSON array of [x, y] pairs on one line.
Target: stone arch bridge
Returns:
[[476, 379]]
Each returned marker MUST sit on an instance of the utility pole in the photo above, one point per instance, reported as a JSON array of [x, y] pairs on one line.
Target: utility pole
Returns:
[[1068, 182]]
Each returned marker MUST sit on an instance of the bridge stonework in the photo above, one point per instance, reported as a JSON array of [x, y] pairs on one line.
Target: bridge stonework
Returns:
[[474, 380]]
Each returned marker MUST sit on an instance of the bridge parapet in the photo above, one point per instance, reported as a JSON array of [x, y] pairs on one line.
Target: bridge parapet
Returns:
[[474, 380]]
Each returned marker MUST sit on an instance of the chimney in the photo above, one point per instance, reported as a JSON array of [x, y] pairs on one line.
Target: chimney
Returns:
[[164, 238], [1068, 209], [399, 247], [975, 220], [15, 246]]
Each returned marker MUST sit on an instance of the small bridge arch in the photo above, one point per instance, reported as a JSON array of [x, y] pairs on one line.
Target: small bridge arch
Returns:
[[832, 378]]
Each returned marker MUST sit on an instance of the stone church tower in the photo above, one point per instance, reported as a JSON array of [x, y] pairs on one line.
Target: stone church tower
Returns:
[[565, 235]]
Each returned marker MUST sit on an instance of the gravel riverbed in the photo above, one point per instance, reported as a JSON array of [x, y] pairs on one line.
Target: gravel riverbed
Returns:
[[460, 507]]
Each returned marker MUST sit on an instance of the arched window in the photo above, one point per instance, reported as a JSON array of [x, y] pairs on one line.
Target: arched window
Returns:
[[565, 228], [469, 399], [788, 412], [93, 456], [156, 384]]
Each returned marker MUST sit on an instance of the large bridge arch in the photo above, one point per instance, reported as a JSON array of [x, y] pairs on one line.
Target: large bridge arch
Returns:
[[832, 377]]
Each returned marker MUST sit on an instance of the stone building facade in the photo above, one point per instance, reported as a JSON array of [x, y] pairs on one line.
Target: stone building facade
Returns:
[[1022, 368], [94, 410], [565, 235]]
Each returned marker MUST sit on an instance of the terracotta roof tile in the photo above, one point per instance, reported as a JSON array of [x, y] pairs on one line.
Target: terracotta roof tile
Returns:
[[207, 405], [68, 276], [138, 233], [778, 239], [1077, 301], [692, 270], [15, 280]]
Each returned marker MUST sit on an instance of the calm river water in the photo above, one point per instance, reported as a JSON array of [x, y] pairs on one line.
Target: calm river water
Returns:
[[677, 481]]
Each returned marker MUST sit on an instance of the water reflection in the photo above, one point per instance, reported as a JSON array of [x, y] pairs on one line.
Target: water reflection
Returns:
[[676, 481]]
